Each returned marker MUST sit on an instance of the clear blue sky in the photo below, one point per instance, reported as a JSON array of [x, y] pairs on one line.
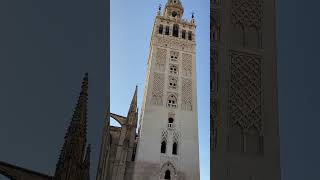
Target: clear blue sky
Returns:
[[131, 26]]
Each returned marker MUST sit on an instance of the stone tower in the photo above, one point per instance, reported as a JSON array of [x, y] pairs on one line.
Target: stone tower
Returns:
[[168, 130], [244, 115]]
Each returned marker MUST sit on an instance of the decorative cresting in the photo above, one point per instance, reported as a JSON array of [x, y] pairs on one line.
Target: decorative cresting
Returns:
[[187, 64], [245, 91], [161, 59], [247, 13], [158, 89], [186, 100]]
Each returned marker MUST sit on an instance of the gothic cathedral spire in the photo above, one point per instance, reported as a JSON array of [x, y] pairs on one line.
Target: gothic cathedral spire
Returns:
[[71, 160]]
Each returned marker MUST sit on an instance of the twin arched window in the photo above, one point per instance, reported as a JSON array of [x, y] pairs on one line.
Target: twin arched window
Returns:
[[173, 69], [172, 101]]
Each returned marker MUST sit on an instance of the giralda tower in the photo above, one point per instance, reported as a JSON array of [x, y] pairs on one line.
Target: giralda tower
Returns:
[[168, 145]]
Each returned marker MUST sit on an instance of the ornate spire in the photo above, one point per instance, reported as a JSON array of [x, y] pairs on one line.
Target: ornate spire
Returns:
[[133, 105], [73, 149]]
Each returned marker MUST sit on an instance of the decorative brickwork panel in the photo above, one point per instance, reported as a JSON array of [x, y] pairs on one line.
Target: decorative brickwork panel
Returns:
[[187, 64], [158, 89], [247, 13], [161, 59], [175, 43], [164, 135], [245, 91], [186, 100]]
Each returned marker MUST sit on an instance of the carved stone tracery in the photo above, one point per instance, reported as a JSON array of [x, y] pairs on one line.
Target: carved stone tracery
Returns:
[[247, 13], [158, 89], [186, 100], [187, 64], [161, 59], [245, 91]]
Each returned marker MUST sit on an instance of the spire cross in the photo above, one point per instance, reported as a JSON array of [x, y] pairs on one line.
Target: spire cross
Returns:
[[192, 14]]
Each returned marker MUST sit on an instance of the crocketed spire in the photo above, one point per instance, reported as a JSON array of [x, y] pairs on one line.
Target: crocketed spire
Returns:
[[73, 150]]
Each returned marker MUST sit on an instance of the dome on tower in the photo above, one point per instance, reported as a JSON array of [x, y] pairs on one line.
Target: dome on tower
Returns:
[[174, 9]]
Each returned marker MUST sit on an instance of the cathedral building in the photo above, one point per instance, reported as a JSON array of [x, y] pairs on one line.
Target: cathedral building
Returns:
[[165, 145], [244, 110]]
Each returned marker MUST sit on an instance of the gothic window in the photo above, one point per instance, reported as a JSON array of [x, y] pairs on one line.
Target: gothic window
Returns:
[[167, 30], [163, 147], [173, 82], [173, 69], [172, 101], [175, 31], [167, 175], [160, 29], [190, 35], [175, 148], [183, 34]]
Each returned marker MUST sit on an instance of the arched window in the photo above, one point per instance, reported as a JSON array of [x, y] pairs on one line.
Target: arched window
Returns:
[[170, 122], [173, 69], [172, 101], [160, 29], [175, 31], [175, 148], [190, 35], [163, 147], [167, 30], [167, 175], [183, 34]]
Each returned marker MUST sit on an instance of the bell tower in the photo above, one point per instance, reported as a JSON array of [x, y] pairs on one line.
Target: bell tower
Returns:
[[168, 145]]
